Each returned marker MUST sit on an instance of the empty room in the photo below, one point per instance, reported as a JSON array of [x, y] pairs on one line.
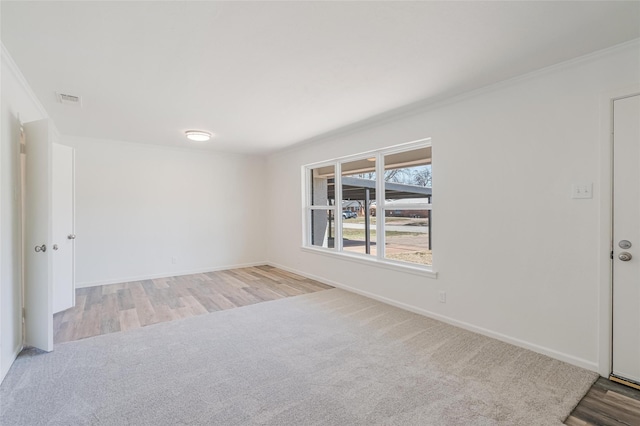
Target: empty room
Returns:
[[320, 213]]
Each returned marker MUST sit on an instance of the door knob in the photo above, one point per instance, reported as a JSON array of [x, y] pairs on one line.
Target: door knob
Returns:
[[624, 256], [41, 248], [625, 244], [55, 247], [71, 236]]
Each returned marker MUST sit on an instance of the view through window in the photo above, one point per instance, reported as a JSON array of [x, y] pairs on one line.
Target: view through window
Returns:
[[384, 207], [358, 197], [407, 206]]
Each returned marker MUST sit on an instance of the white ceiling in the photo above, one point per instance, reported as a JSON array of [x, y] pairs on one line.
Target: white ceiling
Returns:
[[265, 75]]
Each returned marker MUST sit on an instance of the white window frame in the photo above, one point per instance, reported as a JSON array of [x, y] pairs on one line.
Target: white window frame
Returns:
[[308, 207], [381, 206]]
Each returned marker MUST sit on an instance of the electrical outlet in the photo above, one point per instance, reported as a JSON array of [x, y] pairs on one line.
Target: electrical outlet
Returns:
[[443, 297], [174, 260]]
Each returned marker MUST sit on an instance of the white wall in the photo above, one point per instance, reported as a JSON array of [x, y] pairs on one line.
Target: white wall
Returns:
[[17, 99], [138, 206], [518, 258]]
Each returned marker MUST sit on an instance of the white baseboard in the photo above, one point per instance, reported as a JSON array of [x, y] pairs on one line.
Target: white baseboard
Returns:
[[570, 359], [166, 274], [5, 370]]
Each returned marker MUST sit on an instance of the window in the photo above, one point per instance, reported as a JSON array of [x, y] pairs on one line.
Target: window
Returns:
[[321, 211], [358, 184], [375, 205]]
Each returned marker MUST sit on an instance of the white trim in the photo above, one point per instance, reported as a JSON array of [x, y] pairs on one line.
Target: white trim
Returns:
[[381, 248], [337, 185], [56, 133], [605, 272], [73, 224], [13, 67], [306, 181], [401, 147], [327, 207], [405, 206], [168, 274], [580, 362], [447, 99], [2, 372], [15, 354], [7, 59], [320, 164], [373, 261]]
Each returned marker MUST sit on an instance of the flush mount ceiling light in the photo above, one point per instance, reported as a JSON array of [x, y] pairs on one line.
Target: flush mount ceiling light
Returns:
[[198, 135]]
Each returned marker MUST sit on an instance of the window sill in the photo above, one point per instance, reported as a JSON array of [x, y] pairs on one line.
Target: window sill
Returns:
[[371, 261]]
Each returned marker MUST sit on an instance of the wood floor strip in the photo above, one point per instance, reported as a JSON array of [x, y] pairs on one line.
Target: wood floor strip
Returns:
[[607, 404], [130, 305], [573, 421], [194, 306], [630, 404], [624, 382], [129, 319]]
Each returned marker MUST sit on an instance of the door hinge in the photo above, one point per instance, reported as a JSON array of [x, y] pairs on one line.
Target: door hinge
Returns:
[[611, 254]]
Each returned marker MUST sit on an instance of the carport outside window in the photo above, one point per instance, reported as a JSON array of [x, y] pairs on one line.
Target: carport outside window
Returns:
[[407, 206], [383, 212], [321, 212], [358, 195]]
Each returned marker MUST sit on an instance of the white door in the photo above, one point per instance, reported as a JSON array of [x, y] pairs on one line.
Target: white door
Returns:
[[38, 268], [63, 228], [626, 238]]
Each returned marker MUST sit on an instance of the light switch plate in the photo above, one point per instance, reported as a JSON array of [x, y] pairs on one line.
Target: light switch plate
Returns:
[[582, 190]]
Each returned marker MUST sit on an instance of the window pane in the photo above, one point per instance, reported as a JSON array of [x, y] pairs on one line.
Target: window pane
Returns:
[[358, 196], [407, 178], [322, 188], [322, 225], [407, 238], [407, 185]]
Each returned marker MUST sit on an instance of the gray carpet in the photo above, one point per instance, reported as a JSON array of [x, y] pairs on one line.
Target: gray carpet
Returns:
[[327, 358]]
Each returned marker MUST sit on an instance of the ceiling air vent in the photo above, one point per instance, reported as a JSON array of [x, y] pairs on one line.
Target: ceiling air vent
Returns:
[[67, 99]]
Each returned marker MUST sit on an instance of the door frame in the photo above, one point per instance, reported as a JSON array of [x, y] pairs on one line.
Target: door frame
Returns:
[[72, 229], [39, 147], [605, 265]]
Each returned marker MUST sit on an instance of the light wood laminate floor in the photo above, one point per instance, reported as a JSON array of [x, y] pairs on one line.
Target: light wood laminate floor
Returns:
[[118, 307]]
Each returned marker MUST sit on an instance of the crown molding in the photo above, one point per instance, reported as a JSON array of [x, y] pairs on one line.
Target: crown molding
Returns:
[[436, 102], [13, 67]]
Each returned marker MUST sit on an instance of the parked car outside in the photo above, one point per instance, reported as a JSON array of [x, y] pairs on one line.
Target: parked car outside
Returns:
[[347, 214]]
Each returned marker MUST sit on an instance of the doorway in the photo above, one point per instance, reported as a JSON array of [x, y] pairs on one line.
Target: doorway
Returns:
[[48, 231], [626, 241]]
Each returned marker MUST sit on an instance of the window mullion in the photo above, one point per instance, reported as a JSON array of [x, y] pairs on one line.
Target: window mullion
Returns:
[[338, 204], [380, 240], [306, 204]]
